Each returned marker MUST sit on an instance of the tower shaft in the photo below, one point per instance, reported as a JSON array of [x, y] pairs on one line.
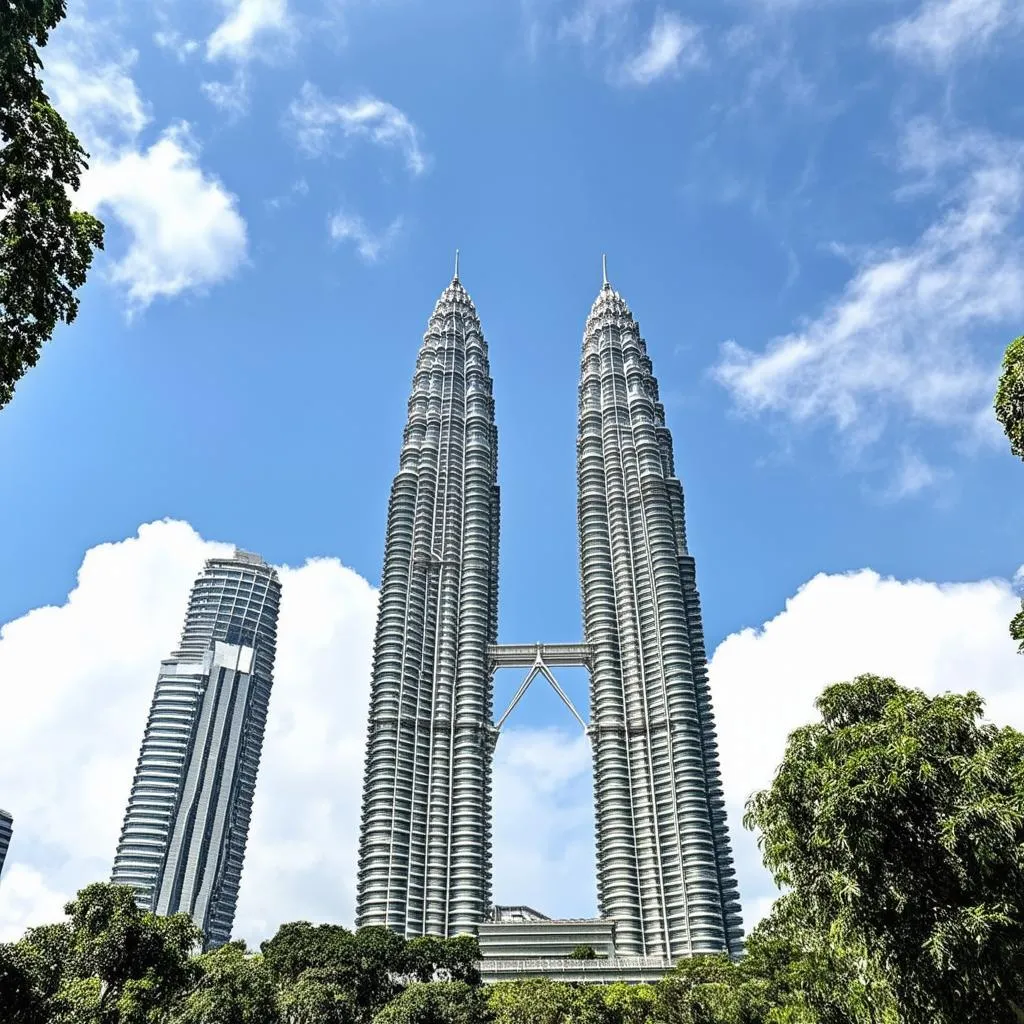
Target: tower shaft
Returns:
[[424, 853], [663, 858], [183, 842]]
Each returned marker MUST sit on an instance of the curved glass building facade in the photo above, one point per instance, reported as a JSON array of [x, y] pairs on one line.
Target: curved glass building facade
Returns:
[[183, 841]]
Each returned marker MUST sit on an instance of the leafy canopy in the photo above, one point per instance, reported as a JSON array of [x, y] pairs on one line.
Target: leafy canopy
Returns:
[[46, 247], [897, 821]]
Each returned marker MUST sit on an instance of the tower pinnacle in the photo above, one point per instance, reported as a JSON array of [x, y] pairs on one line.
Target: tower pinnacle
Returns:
[[456, 266], [604, 271]]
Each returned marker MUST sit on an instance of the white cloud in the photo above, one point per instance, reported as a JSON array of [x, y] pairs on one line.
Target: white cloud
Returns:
[[942, 31], [672, 44], [185, 231], [544, 822], [936, 637], [94, 660], [251, 28], [183, 228], [596, 22], [608, 28], [370, 245], [175, 43], [901, 339], [314, 118], [231, 97], [913, 475]]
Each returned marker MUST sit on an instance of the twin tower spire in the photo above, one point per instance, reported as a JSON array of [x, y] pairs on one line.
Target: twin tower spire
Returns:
[[664, 865]]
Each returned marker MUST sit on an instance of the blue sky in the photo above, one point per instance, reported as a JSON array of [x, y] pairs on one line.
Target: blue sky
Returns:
[[814, 211]]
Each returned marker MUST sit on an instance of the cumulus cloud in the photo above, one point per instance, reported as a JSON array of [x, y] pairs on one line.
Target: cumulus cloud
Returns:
[[671, 45], [72, 738], [940, 32], [251, 28], [370, 245], [901, 338], [183, 227], [315, 119], [764, 681]]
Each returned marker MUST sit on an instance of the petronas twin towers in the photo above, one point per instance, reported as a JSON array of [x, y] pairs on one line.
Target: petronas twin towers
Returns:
[[664, 866]]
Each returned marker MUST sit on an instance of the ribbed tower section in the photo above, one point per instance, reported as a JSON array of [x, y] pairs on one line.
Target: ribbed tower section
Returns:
[[183, 841], [664, 863], [425, 850]]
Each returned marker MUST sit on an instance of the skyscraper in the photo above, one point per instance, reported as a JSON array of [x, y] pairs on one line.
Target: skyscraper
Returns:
[[6, 830], [664, 864], [424, 852], [185, 829]]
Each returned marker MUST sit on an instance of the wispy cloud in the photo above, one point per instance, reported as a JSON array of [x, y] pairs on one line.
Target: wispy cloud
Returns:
[[315, 119], [610, 32], [371, 245], [596, 22], [943, 31], [899, 338], [175, 43], [251, 28], [231, 97], [672, 45]]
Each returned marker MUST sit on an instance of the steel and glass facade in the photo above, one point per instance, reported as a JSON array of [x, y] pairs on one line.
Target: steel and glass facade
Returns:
[[6, 830], [664, 865], [183, 841], [425, 839]]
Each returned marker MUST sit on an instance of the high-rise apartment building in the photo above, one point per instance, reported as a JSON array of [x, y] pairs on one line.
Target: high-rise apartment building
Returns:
[[664, 866], [183, 840], [425, 850], [6, 830]]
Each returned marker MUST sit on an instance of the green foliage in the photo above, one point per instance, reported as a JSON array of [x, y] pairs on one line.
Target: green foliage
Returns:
[[629, 1004], [46, 247], [1017, 628], [232, 988], [583, 952], [1010, 396], [898, 823], [541, 1001], [895, 823], [319, 996], [300, 946], [439, 1002]]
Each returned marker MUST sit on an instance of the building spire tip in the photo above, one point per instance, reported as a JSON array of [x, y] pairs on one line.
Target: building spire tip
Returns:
[[604, 271], [456, 265]]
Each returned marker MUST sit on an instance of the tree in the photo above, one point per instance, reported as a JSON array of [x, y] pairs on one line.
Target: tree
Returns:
[[438, 1002], [897, 821], [136, 959], [629, 1004], [233, 988], [299, 946], [583, 952], [46, 247], [542, 1001], [459, 957], [1010, 396], [708, 989], [1010, 413], [319, 996], [800, 976]]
